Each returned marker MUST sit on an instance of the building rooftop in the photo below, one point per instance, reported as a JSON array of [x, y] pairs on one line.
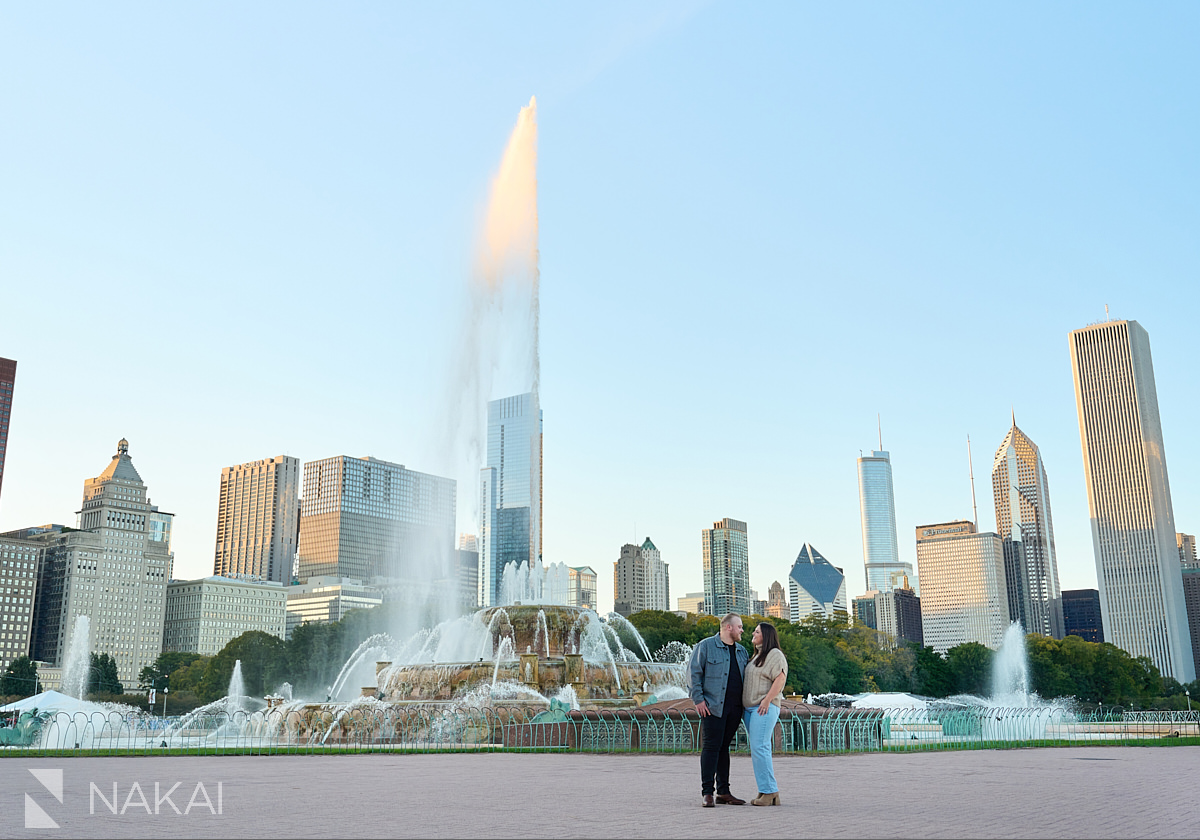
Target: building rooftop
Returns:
[[816, 575]]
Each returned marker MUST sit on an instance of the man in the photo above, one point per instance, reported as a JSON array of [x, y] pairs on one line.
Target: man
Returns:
[[715, 680]]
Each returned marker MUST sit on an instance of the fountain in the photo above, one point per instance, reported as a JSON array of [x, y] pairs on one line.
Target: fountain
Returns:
[[78, 660], [547, 647]]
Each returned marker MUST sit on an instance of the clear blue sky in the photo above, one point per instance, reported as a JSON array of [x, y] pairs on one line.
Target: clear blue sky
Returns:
[[229, 231]]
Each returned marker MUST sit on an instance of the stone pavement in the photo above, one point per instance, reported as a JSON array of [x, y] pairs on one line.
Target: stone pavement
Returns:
[[1067, 792]]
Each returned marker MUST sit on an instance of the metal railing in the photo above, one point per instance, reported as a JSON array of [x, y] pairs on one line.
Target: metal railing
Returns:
[[443, 727]]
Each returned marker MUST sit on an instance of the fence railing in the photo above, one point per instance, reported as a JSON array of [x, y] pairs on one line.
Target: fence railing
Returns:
[[447, 727]]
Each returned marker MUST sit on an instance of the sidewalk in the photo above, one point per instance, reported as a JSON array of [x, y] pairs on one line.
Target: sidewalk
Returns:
[[1067, 792]]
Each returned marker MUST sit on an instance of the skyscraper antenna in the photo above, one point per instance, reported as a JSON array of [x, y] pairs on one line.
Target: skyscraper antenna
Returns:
[[879, 420], [1107, 317], [971, 469]]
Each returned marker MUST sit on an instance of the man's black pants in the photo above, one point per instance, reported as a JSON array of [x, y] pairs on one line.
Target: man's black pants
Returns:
[[716, 734]]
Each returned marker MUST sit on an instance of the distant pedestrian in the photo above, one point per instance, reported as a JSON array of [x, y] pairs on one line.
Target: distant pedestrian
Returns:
[[715, 674], [765, 675]]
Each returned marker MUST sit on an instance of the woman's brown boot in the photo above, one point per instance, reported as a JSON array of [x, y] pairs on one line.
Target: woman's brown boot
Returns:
[[766, 799]]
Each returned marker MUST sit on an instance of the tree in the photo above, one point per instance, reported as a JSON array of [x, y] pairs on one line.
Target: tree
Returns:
[[932, 673], [20, 678], [264, 665], [971, 666], [158, 675], [102, 676]]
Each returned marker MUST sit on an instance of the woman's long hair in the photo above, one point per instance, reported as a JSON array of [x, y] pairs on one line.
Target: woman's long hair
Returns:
[[770, 642]]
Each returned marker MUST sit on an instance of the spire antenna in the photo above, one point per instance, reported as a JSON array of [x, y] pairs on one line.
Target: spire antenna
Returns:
[[1014, 415], [971, 469], [879, 420]]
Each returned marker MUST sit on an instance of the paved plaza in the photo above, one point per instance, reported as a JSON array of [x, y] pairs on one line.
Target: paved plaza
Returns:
[[1068, 792]]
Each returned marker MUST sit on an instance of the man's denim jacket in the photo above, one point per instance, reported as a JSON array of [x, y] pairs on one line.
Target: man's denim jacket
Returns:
[[708, 672]]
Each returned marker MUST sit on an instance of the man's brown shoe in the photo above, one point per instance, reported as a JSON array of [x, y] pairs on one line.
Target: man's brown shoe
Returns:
[[729, 799], [707, 801]]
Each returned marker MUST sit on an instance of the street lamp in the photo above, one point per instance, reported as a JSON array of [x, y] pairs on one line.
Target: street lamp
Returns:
[[1189, 697]]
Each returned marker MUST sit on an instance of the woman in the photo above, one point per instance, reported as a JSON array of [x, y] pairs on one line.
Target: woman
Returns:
[[763, 683]]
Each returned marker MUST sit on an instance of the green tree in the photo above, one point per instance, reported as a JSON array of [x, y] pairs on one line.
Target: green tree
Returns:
[[971, 668], [102, 675], [158, 674], [20, 678], [932, 673], [264, 665]]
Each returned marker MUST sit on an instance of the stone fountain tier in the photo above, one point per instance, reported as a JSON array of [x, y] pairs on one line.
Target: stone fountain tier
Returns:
[[591, 682], [523, 624]]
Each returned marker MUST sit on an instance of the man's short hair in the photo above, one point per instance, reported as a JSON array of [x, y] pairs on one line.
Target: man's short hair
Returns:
[[729, 617]]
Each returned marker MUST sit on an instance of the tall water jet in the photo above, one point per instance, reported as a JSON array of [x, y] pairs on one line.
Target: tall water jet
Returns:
[[1010, 669], [237, 690], [497, 346], [78, 660]]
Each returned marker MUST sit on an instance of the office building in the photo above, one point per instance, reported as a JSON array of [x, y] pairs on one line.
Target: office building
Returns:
[[758, 606], [18, 593], [963, 595], [908, 626], [816, 586], [640, 580], [367, 519], [863, 610], [1022, 497], [113, 568], [8, 378], [1191, 601], [691, 603], [468, 572], [582, 591], [1081, 614], [726, 558], [258, 519], [877, 510], [204, 615], [777, 605], [1186, 543], [510, 492], [1129, 496], [325, 598]]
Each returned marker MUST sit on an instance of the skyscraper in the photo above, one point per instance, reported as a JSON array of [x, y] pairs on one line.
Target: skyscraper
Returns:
[[877, 508], [510, 491], [8, 377], [1129, 496], [1186, 543], [816, 586], [726, 557], [364, 518], [1022, 497], [1081, 614], [963, 596], [777, 603], [258, 519], [640, 580], [114, 568]]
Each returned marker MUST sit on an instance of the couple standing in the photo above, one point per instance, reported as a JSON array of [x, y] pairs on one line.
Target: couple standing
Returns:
[[728, 687]]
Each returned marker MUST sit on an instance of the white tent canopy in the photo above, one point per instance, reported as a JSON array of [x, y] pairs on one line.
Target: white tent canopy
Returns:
[[53, 701]]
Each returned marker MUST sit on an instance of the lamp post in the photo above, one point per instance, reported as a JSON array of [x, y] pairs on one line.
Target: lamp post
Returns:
[[1189, 697]]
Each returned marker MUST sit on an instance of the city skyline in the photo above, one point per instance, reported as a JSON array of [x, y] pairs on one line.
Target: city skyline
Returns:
[[871, 187]]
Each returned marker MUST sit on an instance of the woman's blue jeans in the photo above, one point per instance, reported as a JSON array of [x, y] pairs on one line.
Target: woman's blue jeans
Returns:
[[760, 730]]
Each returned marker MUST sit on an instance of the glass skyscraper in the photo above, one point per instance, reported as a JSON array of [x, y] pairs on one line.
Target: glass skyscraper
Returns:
[[1129, 497], [510, 503], [726, 568], [364, 518], [877, 507], [1023, 519]]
